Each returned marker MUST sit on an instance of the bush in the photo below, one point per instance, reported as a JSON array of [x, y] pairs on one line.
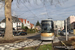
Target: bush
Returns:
[[72, 39], [26, 28], [31, 31]]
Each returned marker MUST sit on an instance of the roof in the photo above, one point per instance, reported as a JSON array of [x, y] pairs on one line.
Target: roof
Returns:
[[15, 19], [31, 24], [25, 20], [21, 19], [28, 21], [47, 20]]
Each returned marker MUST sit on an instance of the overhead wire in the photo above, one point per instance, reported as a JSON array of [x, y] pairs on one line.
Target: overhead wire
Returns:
[[45, 7], [29, 9], [35, 9]]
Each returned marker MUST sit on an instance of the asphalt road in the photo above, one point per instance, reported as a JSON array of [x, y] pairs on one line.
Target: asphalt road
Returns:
[[37, 37], [29, 36], [63, 38]]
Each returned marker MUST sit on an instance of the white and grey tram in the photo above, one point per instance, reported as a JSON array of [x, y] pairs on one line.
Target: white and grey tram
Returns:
[[47, 30]]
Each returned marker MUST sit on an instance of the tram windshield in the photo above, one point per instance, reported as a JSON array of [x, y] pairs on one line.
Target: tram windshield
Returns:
[[46, 28]]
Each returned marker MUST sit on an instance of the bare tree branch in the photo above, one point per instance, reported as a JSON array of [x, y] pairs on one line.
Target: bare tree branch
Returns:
[[52, 2], [1, 4], [2, 0]]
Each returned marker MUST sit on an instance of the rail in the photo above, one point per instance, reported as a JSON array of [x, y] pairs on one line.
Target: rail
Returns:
[[64, 47]]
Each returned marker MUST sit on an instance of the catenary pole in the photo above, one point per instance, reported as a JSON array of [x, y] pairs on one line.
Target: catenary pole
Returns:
[[66, 30]]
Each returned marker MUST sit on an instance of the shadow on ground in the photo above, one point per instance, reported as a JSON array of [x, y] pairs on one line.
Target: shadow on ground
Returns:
[[35, 37]]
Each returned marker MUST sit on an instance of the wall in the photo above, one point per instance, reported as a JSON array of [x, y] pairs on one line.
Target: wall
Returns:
[[59, 24], [70, 20], [2, 25], [17, 24]]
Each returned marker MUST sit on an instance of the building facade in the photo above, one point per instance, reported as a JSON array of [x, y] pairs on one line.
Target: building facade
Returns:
[[59, 25], [32, 26], [70, 22], [27, 23], [16, 23]]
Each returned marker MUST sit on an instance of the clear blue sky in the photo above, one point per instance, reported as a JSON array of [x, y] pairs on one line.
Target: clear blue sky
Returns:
[[33, 12]]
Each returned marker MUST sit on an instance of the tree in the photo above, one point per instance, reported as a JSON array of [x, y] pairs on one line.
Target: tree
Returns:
[[37, 24], [26, 28], [22, 26], [9, 24]]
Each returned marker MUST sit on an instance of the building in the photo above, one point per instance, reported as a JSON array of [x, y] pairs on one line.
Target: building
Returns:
[[16, 23], [73, 26], [70, 22], [32, 26], [27, 23], [59, 24], [38, 28]]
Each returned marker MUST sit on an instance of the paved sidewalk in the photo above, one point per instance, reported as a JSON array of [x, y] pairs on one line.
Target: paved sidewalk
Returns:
[[27, 43]]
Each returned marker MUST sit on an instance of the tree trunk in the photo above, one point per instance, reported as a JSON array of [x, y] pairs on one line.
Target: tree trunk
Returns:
[[9, 24]]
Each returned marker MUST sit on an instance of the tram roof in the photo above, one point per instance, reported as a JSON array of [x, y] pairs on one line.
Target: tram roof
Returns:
[[46, 19]]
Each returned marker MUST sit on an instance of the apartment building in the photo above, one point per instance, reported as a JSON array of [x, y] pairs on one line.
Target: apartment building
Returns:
[[70, 22]]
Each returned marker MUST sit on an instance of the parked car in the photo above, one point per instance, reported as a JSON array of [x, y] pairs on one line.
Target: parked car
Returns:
[[63, 32], [14, 33], [59, 31], [70, 31], [0, 34], [21, 33]]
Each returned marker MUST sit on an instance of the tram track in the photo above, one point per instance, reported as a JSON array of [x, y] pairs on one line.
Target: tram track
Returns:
[[37, 42]]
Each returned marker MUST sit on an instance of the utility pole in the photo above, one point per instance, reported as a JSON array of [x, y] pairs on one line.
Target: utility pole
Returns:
[[56, 30], [66, 31]]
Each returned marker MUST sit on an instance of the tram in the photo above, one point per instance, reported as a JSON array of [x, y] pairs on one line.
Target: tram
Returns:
[[47, 29]]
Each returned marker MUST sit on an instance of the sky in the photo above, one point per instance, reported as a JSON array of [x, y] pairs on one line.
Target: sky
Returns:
[[37, 11]]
